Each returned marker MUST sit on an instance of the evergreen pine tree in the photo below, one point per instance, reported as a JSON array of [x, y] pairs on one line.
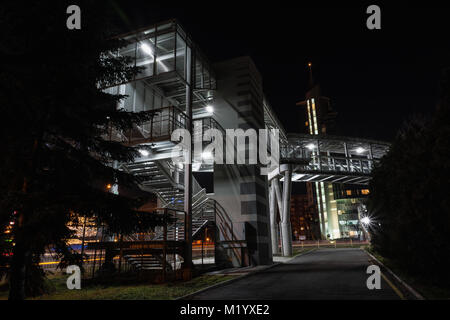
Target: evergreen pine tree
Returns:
[[56, 159]]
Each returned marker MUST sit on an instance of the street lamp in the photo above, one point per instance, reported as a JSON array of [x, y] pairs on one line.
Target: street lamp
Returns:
[[365, 220]]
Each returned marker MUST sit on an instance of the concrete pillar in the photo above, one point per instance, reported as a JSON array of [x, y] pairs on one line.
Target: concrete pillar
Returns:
[[286, 221], [241, 189], [273, 219], [279, 201]]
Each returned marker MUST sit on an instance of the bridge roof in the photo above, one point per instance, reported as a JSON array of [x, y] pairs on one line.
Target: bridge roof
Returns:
[[335, 144]]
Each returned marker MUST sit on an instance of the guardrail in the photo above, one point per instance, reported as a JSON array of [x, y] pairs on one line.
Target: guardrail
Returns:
[[338, 243]]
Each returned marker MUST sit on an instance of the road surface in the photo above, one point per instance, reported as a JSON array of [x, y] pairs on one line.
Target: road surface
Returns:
[[321, 274]]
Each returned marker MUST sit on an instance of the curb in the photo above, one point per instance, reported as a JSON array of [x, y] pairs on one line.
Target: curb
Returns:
[[397, 278], [224, 283]]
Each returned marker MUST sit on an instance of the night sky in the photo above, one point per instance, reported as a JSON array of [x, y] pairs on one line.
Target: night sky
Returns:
[[375, 78]]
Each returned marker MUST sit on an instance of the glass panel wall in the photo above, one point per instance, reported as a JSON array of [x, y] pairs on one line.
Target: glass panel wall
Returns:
[[198, 74], [139, 97], [181, 56], [145, 57], [204, 79], [165, 52]]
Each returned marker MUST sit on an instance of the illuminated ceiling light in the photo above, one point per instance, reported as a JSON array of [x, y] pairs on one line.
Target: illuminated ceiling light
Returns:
[[209, 108], [144, 152], [310, 146], [360, 150], [297, 176], [207, 155], [365, 220], [180, 165], [146, 48]]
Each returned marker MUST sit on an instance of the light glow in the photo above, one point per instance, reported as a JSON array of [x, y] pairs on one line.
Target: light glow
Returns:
[[207, 155], [209, 108], [310, 146], [360, 150], [365, 220], [309, 118], [313, 104], [146, 48], [144, 152]]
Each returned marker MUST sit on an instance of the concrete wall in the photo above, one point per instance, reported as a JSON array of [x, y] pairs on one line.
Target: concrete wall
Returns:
[[241, 189]]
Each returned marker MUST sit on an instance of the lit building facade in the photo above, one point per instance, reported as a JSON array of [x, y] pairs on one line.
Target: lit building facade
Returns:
[[337, 204], [247, 212]]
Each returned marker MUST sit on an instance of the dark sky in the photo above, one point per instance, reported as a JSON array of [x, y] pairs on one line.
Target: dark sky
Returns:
[[376, 79]]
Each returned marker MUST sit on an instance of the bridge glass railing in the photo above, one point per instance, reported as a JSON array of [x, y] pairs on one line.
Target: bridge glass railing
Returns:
[[290, 152], [339, 164]]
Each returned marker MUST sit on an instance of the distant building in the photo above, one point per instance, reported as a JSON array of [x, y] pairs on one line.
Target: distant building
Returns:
[[337, 204], [304, 218]]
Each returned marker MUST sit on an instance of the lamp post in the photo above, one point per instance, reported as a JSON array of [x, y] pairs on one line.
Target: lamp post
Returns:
[[188, 167]]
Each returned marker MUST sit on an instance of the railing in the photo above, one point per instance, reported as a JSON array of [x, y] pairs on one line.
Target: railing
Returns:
[[311, 161], [340, 164], [338, 243], [203, 124], [225, 227], [293, 153], [160, 127]]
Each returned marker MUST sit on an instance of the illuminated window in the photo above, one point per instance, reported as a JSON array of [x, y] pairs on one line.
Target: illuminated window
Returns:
[[314, 116], [348, 192], [309, 117], [365, 191], [306, 123]]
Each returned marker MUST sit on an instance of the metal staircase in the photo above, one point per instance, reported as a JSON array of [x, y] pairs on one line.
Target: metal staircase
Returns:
[[146, 262], [166, 180]]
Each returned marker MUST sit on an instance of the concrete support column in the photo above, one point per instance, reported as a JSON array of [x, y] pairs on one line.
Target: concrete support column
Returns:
[[273, 218], [285, 220], [279, 202]]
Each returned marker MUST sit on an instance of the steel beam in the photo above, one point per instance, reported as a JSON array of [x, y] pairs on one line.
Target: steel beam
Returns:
[[273, 219], [286, 221]]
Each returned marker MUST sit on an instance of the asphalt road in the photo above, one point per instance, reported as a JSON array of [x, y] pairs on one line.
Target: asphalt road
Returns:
[[335, 274]]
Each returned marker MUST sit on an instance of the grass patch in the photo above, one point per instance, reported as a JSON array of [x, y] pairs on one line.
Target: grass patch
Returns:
[[167, 291], [428, 291]]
